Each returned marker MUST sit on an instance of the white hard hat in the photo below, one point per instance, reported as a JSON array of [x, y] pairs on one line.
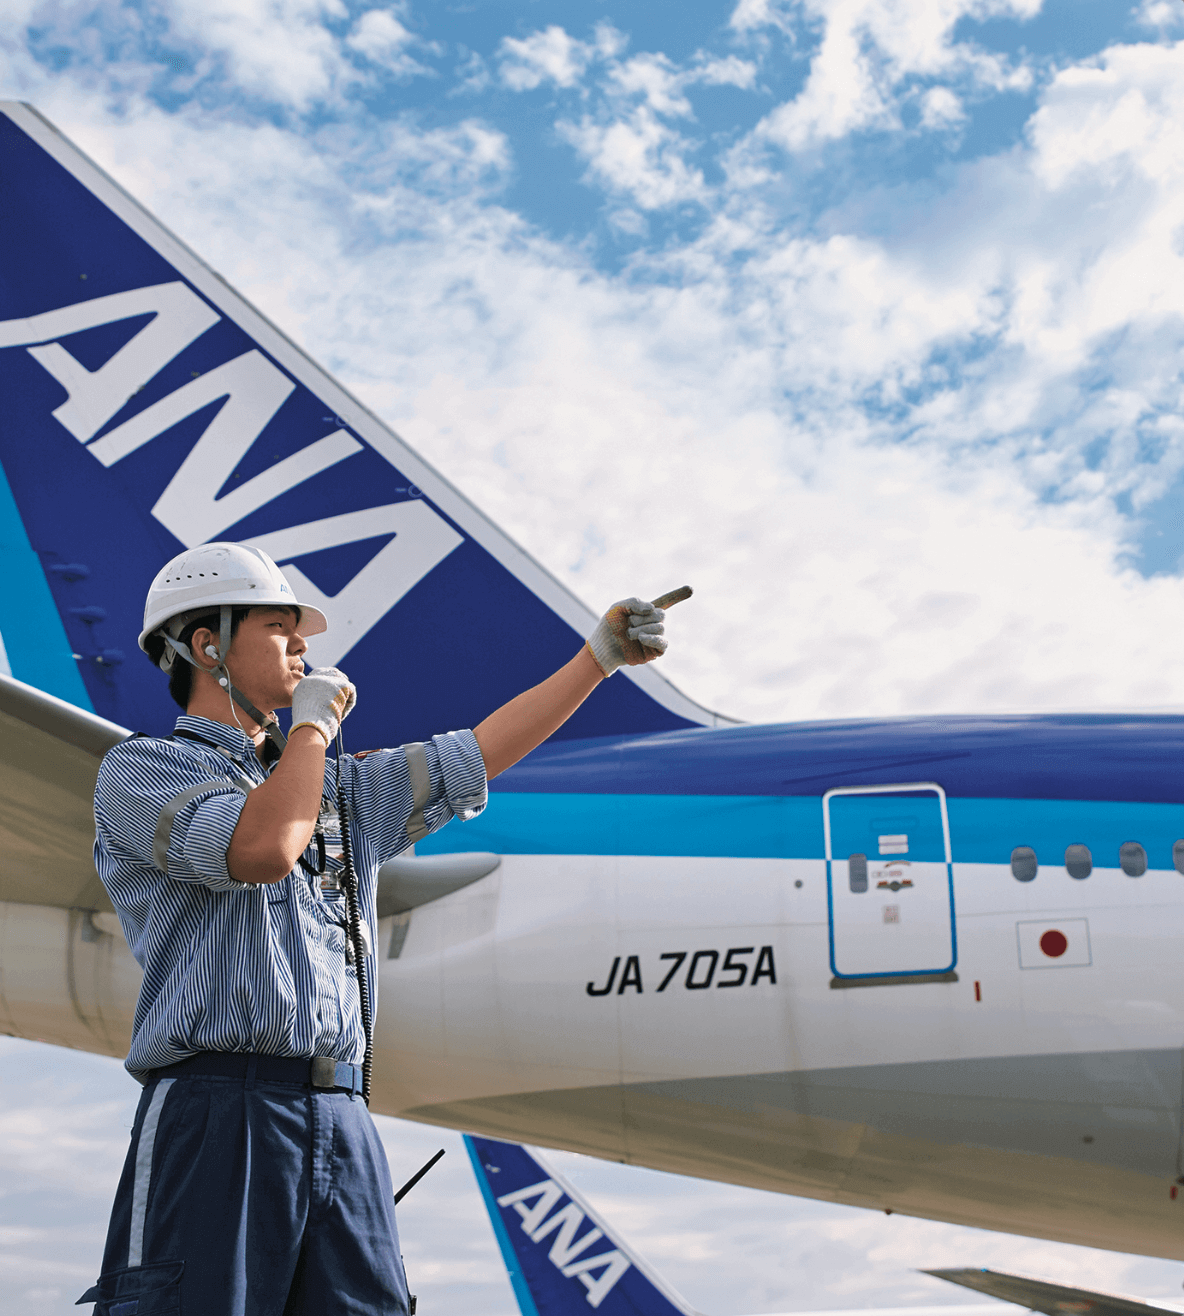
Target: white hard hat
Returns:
[[213, 575]]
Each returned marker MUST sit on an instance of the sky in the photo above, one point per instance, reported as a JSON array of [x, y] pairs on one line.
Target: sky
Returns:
[[862, 316]]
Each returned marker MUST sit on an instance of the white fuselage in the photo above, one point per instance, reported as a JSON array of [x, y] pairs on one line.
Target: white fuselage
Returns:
[[1041, 1099]]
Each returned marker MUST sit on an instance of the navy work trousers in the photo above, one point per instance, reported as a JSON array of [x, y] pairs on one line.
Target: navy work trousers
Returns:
[[249, 1198]]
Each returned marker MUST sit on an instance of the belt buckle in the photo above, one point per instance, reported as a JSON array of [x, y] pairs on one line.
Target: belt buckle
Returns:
[[324, 1072]]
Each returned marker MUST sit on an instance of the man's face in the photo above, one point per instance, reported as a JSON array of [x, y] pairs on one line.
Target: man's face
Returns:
[[265, 658]]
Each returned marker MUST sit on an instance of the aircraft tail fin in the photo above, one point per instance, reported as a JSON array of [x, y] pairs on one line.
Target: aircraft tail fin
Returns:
[[562, 1257], [149, 408]]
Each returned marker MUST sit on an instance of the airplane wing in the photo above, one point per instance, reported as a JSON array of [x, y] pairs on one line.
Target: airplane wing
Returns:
[[1051, 1299], [49, 759], [561, 1256]]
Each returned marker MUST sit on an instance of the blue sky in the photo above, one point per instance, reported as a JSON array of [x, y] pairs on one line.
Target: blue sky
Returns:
[[533, 71], [864, 316]]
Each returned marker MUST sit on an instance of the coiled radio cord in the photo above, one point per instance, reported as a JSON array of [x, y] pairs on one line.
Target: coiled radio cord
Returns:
[[354, 915]]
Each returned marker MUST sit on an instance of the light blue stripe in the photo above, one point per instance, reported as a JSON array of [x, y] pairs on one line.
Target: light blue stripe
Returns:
[[517, 1279], [769, 826], [985, 831], [38, 651], [742, 826]]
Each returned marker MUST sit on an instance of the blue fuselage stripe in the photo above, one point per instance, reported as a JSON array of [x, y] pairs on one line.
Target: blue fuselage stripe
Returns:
[[790, 827]]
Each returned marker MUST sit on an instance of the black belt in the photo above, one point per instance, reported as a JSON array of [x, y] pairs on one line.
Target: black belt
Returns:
[[320, 1072]]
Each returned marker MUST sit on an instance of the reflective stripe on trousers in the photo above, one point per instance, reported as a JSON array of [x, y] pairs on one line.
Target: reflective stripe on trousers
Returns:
[[142, 1183]]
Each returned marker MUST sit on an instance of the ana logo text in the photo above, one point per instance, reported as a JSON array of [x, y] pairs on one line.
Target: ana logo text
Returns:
[[250, 391], [598, 1274]]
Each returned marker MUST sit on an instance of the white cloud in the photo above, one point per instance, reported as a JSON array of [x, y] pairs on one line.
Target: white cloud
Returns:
[[627, 146], [841, 92], [752, 15], [941, 108], [547, 56], [379, 37], [279, 49], [288, 54], [278, 53], [868, 53], [610, 41], [638, 156], [629, 221], [472, 74], [553, 55], [377, 33], [655, 79], [696, 373], [661, 84], [1162, 15], [1112, 116], [731, 71]]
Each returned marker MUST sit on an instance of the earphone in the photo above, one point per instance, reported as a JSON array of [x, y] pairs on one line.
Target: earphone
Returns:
[[222, 681]]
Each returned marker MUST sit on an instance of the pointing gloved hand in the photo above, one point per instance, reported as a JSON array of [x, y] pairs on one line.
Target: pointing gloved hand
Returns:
[[323, 699], [631, 632]]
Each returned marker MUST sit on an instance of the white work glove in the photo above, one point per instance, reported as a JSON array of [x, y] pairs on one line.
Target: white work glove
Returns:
[[632, 632], [323, 699]]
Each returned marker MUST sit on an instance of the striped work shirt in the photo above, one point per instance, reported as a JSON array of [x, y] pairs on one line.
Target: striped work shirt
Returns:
[[236, 966]]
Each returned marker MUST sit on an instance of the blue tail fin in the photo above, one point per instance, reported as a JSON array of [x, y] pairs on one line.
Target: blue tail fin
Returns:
[[562, 1258], [148, 408]]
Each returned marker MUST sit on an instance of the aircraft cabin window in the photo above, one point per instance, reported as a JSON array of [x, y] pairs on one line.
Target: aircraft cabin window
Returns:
[[1079, 861], [1133, 858], [1023, 863], [1178, 856], [857, 873]]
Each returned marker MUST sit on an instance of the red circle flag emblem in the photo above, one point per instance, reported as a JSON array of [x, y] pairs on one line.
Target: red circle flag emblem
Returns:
[[1054, 943]]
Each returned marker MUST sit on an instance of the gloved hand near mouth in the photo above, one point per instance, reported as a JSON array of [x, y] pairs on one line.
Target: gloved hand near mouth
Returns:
[[323, 699]]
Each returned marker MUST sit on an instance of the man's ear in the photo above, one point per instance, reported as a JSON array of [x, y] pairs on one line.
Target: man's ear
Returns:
[[197, 647]]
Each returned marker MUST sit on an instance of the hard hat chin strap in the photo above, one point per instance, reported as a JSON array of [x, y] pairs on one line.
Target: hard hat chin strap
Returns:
[[224, 624], [265, 720]]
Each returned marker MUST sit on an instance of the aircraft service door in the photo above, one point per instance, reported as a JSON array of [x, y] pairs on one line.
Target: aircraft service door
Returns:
[[890, 881]]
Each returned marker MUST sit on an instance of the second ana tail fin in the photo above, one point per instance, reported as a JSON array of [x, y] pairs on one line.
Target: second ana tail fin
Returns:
[[562, 1257]]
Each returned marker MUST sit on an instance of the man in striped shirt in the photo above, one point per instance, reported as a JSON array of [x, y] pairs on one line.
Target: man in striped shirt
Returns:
[[255, 1181]]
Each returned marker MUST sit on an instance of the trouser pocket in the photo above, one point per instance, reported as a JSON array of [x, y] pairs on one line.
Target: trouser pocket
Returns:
[[138, 1291]]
